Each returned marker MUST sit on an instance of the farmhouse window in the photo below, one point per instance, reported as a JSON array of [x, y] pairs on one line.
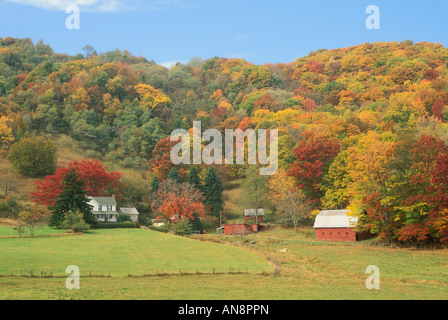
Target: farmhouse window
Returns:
[[109, 208], [100, 208]]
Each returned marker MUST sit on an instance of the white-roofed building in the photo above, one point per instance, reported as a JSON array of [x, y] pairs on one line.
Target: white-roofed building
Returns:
[[337, 225]]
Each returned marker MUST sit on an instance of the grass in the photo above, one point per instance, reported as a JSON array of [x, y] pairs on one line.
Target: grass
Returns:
[[8, 231], [323, 271], [123, 252], [218, 287]]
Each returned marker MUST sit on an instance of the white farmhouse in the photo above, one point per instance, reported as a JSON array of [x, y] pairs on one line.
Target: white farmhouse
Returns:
[[104, 209]]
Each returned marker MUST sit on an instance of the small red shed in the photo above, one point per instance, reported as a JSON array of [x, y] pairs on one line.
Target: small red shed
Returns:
[[252, 220], [337, 225]]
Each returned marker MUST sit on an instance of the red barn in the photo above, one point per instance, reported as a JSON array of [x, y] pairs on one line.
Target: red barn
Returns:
[[252, 220], [337, 225]]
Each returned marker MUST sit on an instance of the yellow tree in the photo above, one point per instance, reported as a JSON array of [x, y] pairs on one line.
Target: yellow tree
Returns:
[[81, 99], [112, 107], [6, 136], [150, 97], [368, 164], [373, 179], [290, 202]]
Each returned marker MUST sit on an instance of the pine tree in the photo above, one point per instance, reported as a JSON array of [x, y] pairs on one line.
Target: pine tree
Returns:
[[155, 184], [196, 224], [174, 175], [71, 199], [213, 192], [193, 178]]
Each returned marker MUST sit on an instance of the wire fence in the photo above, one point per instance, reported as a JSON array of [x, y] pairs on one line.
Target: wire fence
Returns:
[[35, 273]]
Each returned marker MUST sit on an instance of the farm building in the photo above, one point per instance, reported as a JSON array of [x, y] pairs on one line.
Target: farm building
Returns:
[[252, 220], [337, 225], [105, 209], [132, 212], [253, 215]]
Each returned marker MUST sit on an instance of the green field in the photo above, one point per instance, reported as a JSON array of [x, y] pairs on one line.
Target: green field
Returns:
[[123, 252], [317, 271], [6, 231]]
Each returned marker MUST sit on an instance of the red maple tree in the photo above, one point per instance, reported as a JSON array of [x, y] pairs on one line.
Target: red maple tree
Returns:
[[97, 181], [313, 157], [177, 201]]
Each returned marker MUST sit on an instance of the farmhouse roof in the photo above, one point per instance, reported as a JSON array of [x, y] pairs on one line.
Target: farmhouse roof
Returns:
[[105, 201], [132, 211], [253, 212], [335, 219]]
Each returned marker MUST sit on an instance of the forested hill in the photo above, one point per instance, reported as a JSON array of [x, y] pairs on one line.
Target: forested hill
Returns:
[[121, 106], [359, 118]]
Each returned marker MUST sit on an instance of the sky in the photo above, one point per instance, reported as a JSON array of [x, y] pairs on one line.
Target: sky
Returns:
[[260, 31]]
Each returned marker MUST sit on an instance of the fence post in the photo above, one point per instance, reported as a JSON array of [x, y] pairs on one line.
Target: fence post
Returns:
[[180, 271], [213, 270]]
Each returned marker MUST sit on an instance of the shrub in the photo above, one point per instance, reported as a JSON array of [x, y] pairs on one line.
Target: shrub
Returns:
[[9, 208], [123, 218], [75, 221], [210, 223], [181, 227], [120, 225], [165, 229]]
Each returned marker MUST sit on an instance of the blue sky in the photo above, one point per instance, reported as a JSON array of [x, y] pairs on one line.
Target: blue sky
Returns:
[[260, 31]]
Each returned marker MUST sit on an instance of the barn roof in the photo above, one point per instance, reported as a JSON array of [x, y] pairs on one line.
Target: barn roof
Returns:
[[253, 212], [335, 219]]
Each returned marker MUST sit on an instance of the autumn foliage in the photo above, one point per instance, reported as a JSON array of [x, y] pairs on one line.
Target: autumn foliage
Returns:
[[97, 181], [176, 201]]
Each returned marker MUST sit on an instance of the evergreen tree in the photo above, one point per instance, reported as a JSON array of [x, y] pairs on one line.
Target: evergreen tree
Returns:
[[155, 184], [193, 178], [196, 224], [213, 192], [174, 175], [71, 199]]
